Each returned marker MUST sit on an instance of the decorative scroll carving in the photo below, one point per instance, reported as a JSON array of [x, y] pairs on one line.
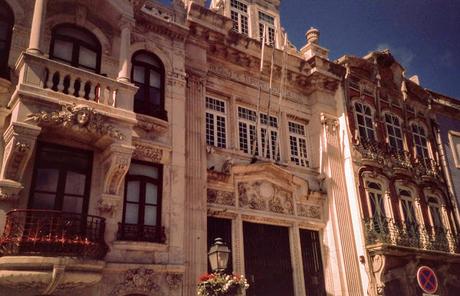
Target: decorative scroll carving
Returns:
[[309, 211], [226, 198], [108, 204], [116, 160], [265, 196], [78, 117], [142, 281], [378, 268], [330, 123], [174, 280], [147, 153], [20, 141]]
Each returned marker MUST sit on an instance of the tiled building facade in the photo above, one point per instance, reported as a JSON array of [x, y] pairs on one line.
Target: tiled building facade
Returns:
[[134, 133]]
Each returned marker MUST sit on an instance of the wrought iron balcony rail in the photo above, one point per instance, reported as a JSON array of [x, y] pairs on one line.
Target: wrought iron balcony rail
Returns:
[[53, 233], [405, 234], [136, 232]]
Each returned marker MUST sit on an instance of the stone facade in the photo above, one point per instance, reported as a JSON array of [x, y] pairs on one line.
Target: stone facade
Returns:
[[128, 125]]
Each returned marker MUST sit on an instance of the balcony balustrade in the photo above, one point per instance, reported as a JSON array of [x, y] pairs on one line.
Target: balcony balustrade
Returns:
[[60, 81], [146, 233], [380, 230], [53, 233]]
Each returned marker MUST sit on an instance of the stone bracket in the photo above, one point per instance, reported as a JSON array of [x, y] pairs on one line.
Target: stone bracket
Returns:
[[109, 203], [20, 139], [116, 161]]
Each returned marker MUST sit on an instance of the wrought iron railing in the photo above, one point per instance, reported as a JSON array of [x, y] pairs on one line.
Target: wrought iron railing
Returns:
[[370, 149], [136, 232], [405, 234], [53, 233]]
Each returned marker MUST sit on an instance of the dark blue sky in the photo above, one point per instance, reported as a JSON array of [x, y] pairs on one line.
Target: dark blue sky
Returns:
[[424, 35]]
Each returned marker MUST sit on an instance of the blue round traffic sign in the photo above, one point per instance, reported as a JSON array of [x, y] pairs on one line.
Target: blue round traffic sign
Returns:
[[427, 280]]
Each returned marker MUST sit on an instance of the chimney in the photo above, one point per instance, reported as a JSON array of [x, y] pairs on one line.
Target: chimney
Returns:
[[312, 48]]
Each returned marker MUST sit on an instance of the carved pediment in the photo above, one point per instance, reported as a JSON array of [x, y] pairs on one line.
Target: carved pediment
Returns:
[[265, 171]]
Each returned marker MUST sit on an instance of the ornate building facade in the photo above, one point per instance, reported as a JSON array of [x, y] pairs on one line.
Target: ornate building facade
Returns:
[[395, 162], [135, 133]]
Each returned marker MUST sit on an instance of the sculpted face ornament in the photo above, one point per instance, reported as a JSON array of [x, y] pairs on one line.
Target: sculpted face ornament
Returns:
[[83, 116]]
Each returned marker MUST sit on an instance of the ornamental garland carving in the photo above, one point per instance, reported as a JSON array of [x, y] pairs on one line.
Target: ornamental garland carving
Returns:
[[225, 198], [148, 153], [78, 117], [309, 211], [265, 196], [138, 280]]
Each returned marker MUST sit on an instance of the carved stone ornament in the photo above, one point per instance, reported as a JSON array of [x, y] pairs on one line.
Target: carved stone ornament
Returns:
[[109, 204], [265, 196], [174, 280], [137, 281], [330, 123], [147, 153], [116, 161], [225, 198], [309, 211], [78, 117]]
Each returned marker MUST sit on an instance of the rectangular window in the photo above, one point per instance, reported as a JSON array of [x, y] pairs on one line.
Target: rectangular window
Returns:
[[365, 122], [394, 132], [265, 140], [268, 22], [298, 144], [216, 134], [239, 16]]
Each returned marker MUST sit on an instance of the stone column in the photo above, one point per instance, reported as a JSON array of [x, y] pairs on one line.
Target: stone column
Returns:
[[36, 27], [125, 43], [196, 175], [341, 214]]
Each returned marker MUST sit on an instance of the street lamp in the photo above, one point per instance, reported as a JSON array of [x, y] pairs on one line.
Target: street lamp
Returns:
[[218, 255]]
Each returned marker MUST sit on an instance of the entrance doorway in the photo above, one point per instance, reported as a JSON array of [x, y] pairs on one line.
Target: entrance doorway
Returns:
[[267, 260]]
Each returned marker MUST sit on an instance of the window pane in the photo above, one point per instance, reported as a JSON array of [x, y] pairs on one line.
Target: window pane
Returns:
[[72, 204], [131, 213], [132, 191], [43, 201], [139, 74], [63, 50], [87, 57], [155, 79], [150, 215], [151, 193], [148, 59], [47, 180], [75, 183], [154, 96], [143, 170]]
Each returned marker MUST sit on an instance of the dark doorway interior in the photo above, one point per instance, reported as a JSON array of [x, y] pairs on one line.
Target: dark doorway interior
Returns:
[[267, 260], [218, 227], [312, 263]]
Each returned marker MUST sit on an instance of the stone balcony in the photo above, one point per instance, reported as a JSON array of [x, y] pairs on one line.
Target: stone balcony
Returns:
[[49, 250], [383, 232]]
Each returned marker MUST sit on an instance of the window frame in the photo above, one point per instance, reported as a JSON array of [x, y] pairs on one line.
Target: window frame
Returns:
[[366, 128], [76, 46], [454, 142], [154, 111], [270, 35], [393, 134], [303, 161], [439, 207], [216, 114], [4, 57], [60, 188], [238, 25], [144, 180], [425, 157]]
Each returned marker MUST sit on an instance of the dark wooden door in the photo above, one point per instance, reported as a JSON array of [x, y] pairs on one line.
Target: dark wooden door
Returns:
[[267, 260], [312, 263]]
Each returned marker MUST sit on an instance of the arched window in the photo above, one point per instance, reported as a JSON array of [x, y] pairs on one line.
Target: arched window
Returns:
[[148, 74], [420, 142], [435, 212], [6, 28], [76, 46], [409, 215], [377, 204], [394, 132], [142, 203], [365, 122]]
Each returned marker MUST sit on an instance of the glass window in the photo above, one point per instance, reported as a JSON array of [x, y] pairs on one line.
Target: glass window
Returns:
[[420, 143], [298, 144], [76, 46], [435, 212], [364, 120], [61, 180], [216, 134], [267, 22], [6, 29], [142, 203], [394, 132], [148, 75], [239, 16]]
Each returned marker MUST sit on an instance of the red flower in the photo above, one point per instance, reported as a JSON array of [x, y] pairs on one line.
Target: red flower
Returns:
[[206, 277]]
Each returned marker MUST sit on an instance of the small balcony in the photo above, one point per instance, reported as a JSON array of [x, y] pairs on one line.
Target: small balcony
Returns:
[[144, 233], [386, 231], [53, 233], [48, 250]]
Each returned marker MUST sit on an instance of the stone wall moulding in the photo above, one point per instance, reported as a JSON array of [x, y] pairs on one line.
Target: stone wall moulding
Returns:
[[116, 161], [225, 198], [79, 118], [20, 139], [150, 152], [265, 196]]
